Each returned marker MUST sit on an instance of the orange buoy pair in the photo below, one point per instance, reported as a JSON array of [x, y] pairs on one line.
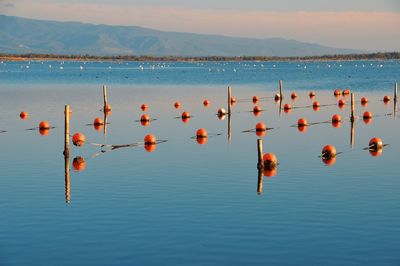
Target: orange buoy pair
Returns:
[[24, 115], [78, 139]]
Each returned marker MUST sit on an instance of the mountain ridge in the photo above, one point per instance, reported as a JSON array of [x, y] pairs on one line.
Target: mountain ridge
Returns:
[[22, 36]]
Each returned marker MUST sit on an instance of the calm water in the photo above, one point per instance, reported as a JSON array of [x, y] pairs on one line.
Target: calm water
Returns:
[[191, 204]]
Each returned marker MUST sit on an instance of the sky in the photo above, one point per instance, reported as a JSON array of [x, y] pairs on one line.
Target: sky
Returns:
[[370, 25]]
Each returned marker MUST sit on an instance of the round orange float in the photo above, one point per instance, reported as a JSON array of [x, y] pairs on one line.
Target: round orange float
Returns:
[[206, 102], [270, 160], [177, 105], [337, 92], [364, 100], [386, 99], [201, 141], [23, 115], [277, 97], [270, 172], [98, 121], [233, 100], [150, 140], [293, 95], [328, 152], [312, 94], [144, 107], [367, 115], [261, 126], [257, 109], [150, 148], [261, 133], [336, 118], [287, 107], [44, 131], [221, 112], [201, 133], [107, 108], [97, 127], [302, 122], [375, 144], [329, 161], [316, 105], [346, 92], [145, 118], [44, 125], [341, 103], [255, 99], [78, 139], [79, 163], [185, 115]]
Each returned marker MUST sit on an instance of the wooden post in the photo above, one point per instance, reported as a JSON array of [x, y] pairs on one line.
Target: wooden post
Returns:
[[280, 89], [105, 97], [352, 134], [229, 128], [66, 154], [395, 91], [260, 164], [352, 107], [66, 130], [229, 99]]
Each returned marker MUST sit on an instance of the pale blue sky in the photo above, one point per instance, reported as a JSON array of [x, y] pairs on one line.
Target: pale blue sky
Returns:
[[362, 24]]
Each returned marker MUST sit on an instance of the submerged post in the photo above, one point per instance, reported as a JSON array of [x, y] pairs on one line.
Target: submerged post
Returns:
[[229, 128], [352, 107], [280, 88], [66, 154], [395, 91], [352, 134], [105, 96], [260, 181], [229, 99], [260, 164]]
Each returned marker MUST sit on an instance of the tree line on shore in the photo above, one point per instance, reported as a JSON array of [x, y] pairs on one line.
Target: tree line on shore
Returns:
[[86, 57]]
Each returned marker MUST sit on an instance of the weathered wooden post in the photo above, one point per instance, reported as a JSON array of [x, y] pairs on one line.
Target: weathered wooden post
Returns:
[[229, 99], [352, 134], [352, 107], [66, 155], [280, 89], [395, 91], [260, 164], [260, 181], [105, 97], [66, 129]]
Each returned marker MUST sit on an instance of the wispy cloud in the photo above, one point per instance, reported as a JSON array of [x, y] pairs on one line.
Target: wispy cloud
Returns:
[[367, 30]]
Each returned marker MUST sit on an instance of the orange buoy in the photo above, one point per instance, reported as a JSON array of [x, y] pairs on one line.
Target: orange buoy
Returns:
[[367, 115], [336, 118], [145, 118], [367, 121], [201, 133], [287, 107], [364, 101], [312, 94], [221, 112], [255, 99], [329, 161], [341, 103], [375, 144], [328, 151], [257, 109], [293, 95], [302, 122], [150, 148], [376, 153], [337, 92], [98, 127], [270, 172], [107, 108], [44, 125], [79, 164], [177, 105], [206, 103], [346, 92], [316, 105], [270, 160], [261, 126], [44, 131], [185, 115], [98, 121], [78, 139], [144, 107], [150, 140], [233, 100], [277, 97], [386, 99], [23, 115], [302, 129], [261, 133]]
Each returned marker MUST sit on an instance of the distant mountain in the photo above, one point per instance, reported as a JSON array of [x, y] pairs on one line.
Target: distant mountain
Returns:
[[21, 35]]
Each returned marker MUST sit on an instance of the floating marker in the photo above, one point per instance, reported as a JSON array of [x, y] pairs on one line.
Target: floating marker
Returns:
[[44, 131], [270, 160], [107, 108], [386, 99], [185, 115], [261, 127], [177, 105], [98, 121], [367, 115], [221, 112], [144, 107], [375, 144], [150, 140], [346, 92], [316, 105], [341, 103], [312, 94], [302, 122], [328, 151], [44, 125], [336, 118], [201, 133], [337, 92], [255, 99], [277, 97], [257, 109], [293, 95], [287, 106], [23, 115], [364, 101], [78, 139], [145, 118], [206, 103]]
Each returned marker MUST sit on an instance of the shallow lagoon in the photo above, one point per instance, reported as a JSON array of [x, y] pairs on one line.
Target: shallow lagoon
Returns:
[[186, 203]]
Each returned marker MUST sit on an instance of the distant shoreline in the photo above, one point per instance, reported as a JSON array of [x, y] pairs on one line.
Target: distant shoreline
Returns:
[[52, 57]]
